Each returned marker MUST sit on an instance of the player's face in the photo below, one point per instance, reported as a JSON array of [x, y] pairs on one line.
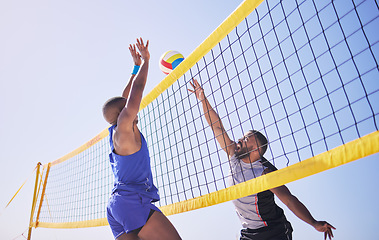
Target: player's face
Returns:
[[245, 145]]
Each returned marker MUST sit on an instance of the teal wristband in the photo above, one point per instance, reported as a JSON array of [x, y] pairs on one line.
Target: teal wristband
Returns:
[[135, 69]]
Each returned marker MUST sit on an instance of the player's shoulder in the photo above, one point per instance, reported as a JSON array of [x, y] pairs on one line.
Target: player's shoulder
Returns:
[[126, 141], [268, 167]]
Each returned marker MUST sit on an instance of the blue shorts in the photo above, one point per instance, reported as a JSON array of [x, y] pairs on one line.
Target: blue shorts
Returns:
[[127, 211]]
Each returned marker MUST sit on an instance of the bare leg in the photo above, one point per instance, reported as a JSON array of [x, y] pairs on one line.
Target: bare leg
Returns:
[[129, 236], [158, 227]]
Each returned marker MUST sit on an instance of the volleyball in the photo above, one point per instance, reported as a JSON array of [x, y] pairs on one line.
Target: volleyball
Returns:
[[169, 61]]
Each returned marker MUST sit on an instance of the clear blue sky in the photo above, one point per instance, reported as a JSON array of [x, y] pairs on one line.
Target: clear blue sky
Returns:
[[59, 61]]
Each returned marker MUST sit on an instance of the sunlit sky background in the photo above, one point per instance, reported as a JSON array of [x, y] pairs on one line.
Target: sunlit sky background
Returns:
[[59, 61]]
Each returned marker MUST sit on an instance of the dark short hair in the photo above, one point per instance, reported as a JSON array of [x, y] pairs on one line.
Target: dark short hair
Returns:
[[262, 140], [112, 108]]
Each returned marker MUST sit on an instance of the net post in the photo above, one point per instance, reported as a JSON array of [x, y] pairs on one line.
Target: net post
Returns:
[[42, 194], [34, 201]]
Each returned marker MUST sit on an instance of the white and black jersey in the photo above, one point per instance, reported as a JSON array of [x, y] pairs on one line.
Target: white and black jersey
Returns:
[[257, 210]]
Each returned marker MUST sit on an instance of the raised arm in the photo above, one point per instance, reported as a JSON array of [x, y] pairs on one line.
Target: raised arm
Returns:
[[137, 63], [213, 120], [134, 95], [301, 211]]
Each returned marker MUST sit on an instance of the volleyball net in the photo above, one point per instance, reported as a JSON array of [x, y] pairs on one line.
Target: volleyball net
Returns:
[[304, 73]]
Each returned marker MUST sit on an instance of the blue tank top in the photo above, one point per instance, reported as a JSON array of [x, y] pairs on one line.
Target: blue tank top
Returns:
[[133, 172]]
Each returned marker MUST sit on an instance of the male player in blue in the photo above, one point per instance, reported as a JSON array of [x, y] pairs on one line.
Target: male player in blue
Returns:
[[131, 213], [260, 217]]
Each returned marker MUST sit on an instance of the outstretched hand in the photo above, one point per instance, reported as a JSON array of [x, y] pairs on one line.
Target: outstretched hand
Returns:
[[324, 227], [197, 89], [135, 55], [143, 49]]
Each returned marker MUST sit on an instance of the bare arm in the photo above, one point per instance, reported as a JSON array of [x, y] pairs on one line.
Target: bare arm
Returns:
[[301, 211], [213, 120], [129, 113], [137, 61]]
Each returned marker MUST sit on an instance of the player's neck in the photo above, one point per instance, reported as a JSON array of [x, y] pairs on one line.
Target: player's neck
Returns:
[[250, 159]]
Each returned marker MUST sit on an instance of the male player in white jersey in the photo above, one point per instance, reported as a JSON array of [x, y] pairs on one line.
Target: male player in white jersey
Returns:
[[261, 218]]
